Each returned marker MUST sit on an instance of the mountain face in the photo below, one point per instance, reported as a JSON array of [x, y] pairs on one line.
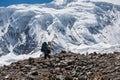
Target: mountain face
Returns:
[[71, 25]]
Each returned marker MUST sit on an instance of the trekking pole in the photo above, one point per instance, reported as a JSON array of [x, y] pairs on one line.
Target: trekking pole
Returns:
[[37, 47]]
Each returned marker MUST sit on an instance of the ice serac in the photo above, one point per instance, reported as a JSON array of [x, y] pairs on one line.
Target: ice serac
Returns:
[[71, 25]]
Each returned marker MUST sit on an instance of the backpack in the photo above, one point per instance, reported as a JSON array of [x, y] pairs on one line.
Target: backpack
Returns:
[[48, 50], [44, 47]]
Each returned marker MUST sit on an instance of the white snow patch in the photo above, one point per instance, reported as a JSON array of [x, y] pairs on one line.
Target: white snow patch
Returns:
[[10, 58]]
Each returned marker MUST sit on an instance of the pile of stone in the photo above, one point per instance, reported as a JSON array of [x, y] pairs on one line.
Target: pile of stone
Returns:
[[65, 66]]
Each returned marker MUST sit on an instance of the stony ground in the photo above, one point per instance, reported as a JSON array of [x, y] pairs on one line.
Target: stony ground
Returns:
[[65, 66]]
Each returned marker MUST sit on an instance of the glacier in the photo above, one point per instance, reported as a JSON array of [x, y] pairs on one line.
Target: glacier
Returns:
[[79, 26]]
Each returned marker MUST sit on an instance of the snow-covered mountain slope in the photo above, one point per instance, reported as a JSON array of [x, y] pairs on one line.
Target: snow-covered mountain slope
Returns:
[[110, 1], [71, 25]]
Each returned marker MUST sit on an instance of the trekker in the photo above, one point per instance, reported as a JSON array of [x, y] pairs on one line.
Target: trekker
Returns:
[[45, 48]]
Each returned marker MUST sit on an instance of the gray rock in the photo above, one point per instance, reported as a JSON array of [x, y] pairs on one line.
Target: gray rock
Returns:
[[59, 77], [33, 73], [68, 77]]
